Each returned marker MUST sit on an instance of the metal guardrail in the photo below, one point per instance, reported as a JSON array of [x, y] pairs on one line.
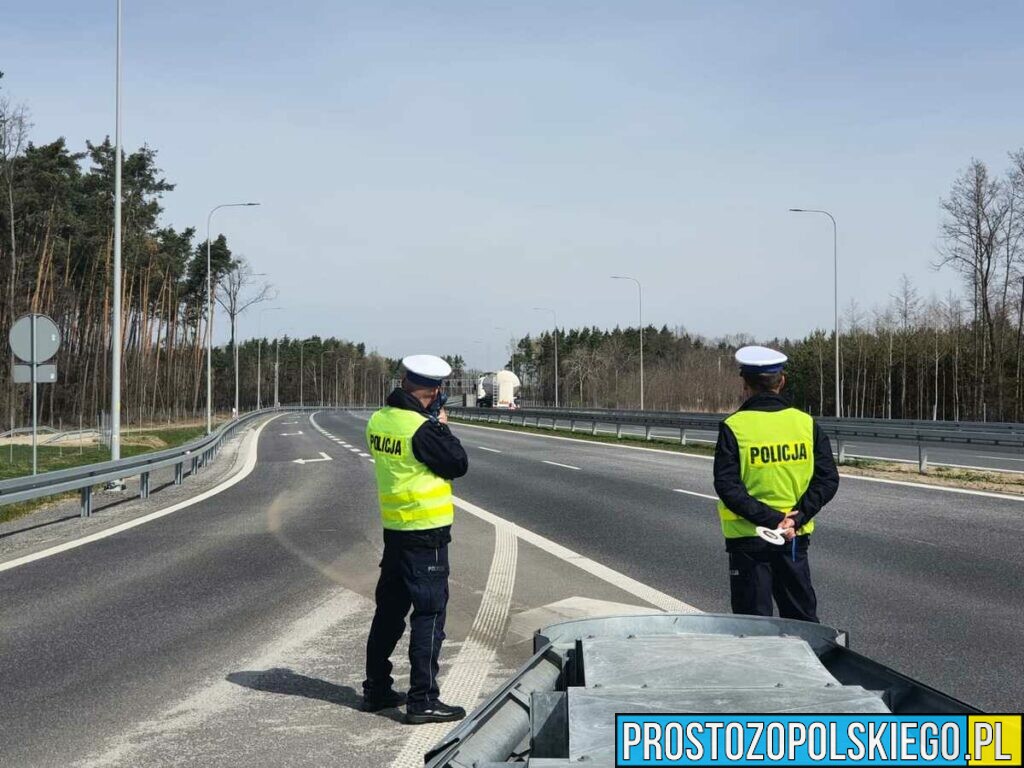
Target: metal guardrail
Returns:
[[1002, 437], [198, 453]]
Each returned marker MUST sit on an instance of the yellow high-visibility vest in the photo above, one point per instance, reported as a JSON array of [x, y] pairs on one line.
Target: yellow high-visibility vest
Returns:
[[412, 498], [776, 463]]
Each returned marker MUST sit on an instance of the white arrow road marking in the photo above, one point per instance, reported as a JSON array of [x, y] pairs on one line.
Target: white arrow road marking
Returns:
[[291, 434], [490, 450], [556, 464], [694, 493], [324, 457]]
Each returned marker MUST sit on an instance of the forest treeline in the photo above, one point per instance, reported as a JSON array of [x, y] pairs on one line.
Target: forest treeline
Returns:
[[56, 222], [955, 358]]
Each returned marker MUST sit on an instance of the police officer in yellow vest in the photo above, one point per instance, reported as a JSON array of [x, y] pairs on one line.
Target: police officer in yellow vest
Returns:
[[773, 469], [415, 458]]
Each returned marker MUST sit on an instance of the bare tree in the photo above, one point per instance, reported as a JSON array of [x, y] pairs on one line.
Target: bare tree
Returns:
[[240, 289], [973, 234]]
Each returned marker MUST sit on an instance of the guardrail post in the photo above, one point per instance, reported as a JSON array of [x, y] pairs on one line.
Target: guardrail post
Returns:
[[179, 472], [86, 506], [922, 458], [593, 429], [682, 435], [647, 432], [195, 464], [572, 424], [144, 485], [842, 450], [618, 431], [537, 423]]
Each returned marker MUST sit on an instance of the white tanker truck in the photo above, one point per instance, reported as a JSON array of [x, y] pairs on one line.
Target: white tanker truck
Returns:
[[497, 390]]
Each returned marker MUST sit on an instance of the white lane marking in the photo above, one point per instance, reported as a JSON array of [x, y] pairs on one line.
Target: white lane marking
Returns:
[[363, 455], [354, 450], [250, 463], [927, 487], [489, 450], [557, 464], [648, 594], [323, 457], [474, 662], [681, 455], [291, 434], [373, 461], [1001, 458], [694, 493]]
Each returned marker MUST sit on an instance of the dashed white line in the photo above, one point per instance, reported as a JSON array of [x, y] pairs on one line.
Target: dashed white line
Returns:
[[489, 450], [695, 493], [678, 454], [364, 455], [354, 450], [557, 464]]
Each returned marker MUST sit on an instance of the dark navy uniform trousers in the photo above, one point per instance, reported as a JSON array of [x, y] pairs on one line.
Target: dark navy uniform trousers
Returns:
[[755, 577], [413, 574]]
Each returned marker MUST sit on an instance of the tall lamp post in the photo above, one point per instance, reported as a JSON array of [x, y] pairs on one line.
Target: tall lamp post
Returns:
[[259, 358], [640, 295], [209, 309], [554, 323], [115, 320], [835, 259]]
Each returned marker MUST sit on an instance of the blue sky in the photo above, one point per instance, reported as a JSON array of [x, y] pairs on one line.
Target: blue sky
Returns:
[[429, 171]]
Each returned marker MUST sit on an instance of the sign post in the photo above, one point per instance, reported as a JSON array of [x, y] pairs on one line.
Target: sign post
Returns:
[[34, 339]]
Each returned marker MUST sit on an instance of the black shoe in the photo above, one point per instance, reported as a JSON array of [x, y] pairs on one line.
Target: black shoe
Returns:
[[383, 700], [435, 712]]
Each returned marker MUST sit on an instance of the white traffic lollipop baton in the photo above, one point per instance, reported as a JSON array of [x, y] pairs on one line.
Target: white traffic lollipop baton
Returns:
[[771, 535], [774, 536]]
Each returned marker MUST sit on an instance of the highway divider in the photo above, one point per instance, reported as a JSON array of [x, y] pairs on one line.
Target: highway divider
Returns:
[[1001, 437]]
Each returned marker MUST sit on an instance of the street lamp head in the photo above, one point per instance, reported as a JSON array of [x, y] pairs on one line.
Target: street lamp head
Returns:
[[250, 203], [796, 210]]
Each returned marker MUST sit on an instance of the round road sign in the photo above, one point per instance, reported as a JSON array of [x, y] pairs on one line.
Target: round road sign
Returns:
[[47, 338]]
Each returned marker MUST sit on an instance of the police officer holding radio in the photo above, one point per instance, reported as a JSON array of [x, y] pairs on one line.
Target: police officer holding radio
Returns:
[[415, 458], [773, 470]]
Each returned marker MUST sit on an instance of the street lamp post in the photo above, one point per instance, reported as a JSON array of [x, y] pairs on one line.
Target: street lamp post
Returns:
[[640, 294], [277, 368], [835, 287], [259, 356], [554, 323], [209, 309], [115, 320]]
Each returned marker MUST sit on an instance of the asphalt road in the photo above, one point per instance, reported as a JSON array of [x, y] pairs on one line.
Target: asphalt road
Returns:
[[928, 581], [976, 458], [231, 632]]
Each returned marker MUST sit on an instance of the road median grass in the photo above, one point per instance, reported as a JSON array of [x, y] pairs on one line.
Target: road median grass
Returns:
[[1011, 483]]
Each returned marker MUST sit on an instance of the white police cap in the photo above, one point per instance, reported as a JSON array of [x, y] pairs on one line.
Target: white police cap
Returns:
[[426, 370], [760, 360]]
